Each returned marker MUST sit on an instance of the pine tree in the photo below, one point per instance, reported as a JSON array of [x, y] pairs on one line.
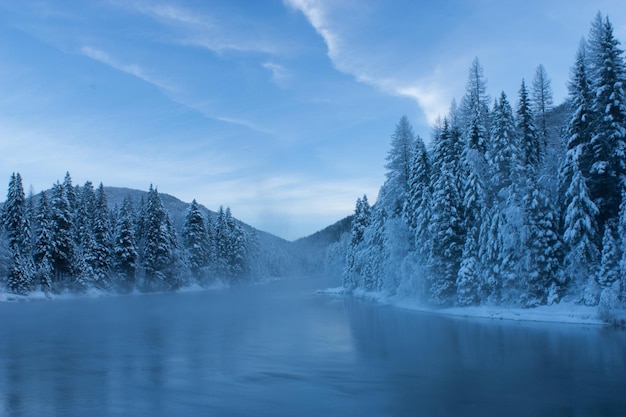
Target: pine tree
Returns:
[[16, 228], [446, 222], [531, 147], [235, 246], [490, 254], [542, 100], [398, 167], [84, 254], [468, 280], [63, 246], [125, 253], [580, 230], [70, 193], [475, 109], [608, 142], [195, 239], [44, 249], [102, 239], [360, 223], [609, 271], [504, 155], [416, 209], [376, 252], [542, 248], [159, 257], [578, 130], [14, 216]]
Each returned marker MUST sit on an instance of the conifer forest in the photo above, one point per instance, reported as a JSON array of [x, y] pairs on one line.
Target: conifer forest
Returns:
[[515, 202]]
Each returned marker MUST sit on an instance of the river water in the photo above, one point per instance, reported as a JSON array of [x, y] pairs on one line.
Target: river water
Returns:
[[281, 349]]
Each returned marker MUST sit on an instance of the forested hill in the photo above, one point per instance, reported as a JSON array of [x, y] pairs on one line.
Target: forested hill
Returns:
[[72, 238]]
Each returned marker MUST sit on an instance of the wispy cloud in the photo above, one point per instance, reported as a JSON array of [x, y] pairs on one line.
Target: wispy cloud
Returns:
[[280, 75], [426, 91], [167, 88], [132, 69], [200, 29]]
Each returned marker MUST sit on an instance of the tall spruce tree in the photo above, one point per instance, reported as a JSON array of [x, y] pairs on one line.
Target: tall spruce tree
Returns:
[[398, 167], [417, 206], [195, 239], [579, 235], [446, 222], [159, 257], [62, 243], [44, 249], [354, 263], [608, 141], [542, 247], [578, 130], [102, 239], [16, 228], [125, 253], [531, 147]]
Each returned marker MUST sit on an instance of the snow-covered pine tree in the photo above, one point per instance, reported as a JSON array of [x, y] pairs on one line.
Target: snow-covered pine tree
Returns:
[[474, 109], [504, 154], [376, 253], [507, 184], [489, 252], [16, 229], [102, 240], [468, 281], [236, 247], [416, 208], [608, 142], [542, 101], [84, 253], [70, 193], [14, 219], [43, 251], [195, 239], [532, 148], [125, 253], [446, 222], [398, 167], [609, 271], [475, 205], [580, 231], [354, 265], [62, 243], [542, 247], [211, 251], [578, 130], [159, 260]]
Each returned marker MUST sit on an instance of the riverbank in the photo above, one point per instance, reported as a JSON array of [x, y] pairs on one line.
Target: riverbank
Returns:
[[556, 313]]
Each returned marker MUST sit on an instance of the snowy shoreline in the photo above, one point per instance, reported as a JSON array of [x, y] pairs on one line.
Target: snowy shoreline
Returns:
[[569, 313], [7, 297]]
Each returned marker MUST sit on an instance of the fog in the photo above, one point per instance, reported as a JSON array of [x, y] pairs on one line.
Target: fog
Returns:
[[281, 349]]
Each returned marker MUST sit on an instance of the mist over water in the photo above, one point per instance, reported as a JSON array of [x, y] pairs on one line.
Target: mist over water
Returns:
[[281, 349]]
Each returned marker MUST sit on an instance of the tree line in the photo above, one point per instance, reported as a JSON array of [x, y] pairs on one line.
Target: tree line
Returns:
[[68, 239], [507, 205]]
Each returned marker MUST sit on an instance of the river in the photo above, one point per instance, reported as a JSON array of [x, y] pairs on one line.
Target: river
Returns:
[[281, 349]]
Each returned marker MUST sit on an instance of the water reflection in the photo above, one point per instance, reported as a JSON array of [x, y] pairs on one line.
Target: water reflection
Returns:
[[282, 350], [457, 366]]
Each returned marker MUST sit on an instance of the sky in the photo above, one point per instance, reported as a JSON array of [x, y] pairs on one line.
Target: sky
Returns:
[[280, 109]]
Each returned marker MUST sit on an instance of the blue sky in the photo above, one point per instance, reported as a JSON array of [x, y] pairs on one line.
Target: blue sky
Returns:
[[281, 110]]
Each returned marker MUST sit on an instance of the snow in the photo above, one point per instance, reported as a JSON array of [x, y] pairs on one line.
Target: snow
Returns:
[[97, 293], [556, 313]]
